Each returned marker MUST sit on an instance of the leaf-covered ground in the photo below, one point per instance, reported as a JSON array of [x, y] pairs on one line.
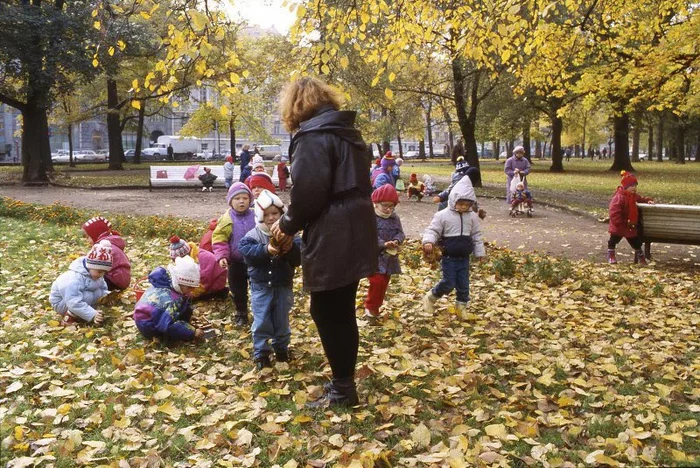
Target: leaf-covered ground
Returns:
[[557, 364]]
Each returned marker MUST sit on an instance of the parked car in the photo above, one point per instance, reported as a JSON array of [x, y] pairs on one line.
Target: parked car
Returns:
[[209, 155], [269, 151], [155, 152], [413, 154], [129, 154], [88, 156], [60, 156]]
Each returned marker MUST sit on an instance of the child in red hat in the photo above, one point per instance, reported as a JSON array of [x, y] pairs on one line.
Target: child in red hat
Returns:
[[624, 217], [390, 235], [97, 229]]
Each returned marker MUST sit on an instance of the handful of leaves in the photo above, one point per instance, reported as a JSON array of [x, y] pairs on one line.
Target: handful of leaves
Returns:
[[433, 258]]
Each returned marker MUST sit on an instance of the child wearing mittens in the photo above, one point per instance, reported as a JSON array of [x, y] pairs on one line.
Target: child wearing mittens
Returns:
[[75, 293], [164, 311], [97, 229], [271, 269], [390, 236], [212, 276], [230, 229]]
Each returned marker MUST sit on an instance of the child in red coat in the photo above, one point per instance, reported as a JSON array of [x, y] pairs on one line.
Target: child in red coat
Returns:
[[624, 217]]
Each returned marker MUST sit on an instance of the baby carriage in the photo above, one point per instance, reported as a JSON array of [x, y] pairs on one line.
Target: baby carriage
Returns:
[[521, 198]]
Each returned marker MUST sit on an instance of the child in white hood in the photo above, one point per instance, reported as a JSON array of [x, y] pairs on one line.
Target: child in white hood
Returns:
[[75, 293], [458, 231]]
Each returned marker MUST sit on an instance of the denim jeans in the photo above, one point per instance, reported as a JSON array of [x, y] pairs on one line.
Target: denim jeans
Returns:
[[455, 275], [271, 306]]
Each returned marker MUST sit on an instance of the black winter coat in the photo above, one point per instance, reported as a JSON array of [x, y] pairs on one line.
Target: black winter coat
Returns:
[[330, 201]]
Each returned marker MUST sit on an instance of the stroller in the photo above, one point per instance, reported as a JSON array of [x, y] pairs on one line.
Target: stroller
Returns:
[[521, 202]]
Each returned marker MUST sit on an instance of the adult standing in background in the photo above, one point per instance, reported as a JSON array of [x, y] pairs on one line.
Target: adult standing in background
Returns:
[[516, 164], [171, 154], [245, 163], [331, 203]]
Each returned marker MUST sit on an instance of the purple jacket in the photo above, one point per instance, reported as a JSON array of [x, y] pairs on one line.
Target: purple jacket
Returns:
[[230, 229], [387, 230]]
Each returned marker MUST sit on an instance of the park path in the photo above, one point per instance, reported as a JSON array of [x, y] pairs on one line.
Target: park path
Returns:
[[551, 230]]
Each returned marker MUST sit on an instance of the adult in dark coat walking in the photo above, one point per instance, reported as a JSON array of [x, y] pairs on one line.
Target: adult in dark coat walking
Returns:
[[330, 202], [245, 163]]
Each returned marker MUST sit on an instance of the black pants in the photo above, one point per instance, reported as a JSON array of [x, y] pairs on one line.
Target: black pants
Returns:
[[333, 312], [238, 285], [635, 242]]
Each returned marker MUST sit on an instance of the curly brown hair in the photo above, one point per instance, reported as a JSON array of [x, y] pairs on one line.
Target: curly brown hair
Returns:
[[301, 98]]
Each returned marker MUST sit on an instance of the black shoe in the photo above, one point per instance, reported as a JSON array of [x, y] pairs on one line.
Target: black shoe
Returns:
[[262, 362], [241, 321], [339, 393], [283, 356]]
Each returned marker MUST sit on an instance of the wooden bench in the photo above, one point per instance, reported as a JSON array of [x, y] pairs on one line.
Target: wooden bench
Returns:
[[174, 176], [669, 224]]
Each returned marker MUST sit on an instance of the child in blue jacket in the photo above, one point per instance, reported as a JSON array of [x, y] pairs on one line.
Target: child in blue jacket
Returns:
[[271, 271], [164, 310]]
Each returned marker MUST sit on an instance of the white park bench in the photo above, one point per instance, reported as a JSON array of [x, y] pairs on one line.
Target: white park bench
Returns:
[[669, 224], [174, 176]]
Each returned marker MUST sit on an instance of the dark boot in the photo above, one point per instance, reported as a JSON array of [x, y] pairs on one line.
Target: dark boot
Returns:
[[241, 319], [639, 257], [283, 356], [611, 257], [262, 362], [339, 393]]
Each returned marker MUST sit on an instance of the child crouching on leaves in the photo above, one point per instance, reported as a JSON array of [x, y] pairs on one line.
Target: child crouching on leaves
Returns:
[[271, 269], [75, 293], [415, 188], [624, 217], [207, 179], [212, 276], [164, 310], [230, 229], [390, 236], [458, 231], [97, 229]]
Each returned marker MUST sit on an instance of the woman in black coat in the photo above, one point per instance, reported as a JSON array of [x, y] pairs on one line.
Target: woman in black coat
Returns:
[[330, 202]]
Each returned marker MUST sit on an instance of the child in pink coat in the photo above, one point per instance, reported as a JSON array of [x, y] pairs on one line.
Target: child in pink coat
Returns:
[[212, 277], [97, 229]]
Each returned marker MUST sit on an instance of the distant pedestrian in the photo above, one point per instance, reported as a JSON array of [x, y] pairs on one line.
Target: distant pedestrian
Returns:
[[171, 153], [516, 164], [458, 151], [246, 169], [228, 172]]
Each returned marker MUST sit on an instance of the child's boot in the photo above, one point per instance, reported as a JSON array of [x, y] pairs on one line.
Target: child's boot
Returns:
[[639, 257], [339, 393], [262, 362], [611, 257], [283, 355], [204, 189], [372, 317], [429, 302], [461, 310]]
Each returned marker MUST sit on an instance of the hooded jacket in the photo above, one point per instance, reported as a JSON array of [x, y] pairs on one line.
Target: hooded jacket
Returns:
[[459, 234], [263, 268], [120, 274], [162, 311], [76, 292], [330, 201]]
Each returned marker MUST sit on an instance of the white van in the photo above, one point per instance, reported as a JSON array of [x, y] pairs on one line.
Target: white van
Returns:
[[269, 151]]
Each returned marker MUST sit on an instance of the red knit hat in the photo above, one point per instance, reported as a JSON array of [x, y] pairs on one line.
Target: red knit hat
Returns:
[[261, 179], [628, 179], [96, 226], [385, 193], [413, 179]]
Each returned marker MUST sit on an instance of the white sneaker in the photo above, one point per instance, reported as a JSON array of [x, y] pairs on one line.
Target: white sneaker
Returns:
[[429, 302], [462, 309], [204, 189], [210, 189]]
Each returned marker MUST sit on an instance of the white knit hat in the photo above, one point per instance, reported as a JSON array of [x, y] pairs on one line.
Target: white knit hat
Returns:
[[185, 272], [257, 162], [100, 256], [265, 200]]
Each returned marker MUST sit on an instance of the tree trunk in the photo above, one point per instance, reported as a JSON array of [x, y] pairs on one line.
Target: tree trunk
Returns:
[[398, 139], [680, 141], [557, 157], [660, 140], [577, 150], [114, 132], [467, 121], [538, 149], [621, 162], [421, 149], [636, 134], [497, 149], [36, 149], [429, 124], [526, 139], [232, 137], [139, 133], [650, 143], [71, 161]]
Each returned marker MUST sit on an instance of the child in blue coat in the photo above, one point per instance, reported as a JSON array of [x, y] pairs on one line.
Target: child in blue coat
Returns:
[[164, 310], [271, 271], [75, 293]]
